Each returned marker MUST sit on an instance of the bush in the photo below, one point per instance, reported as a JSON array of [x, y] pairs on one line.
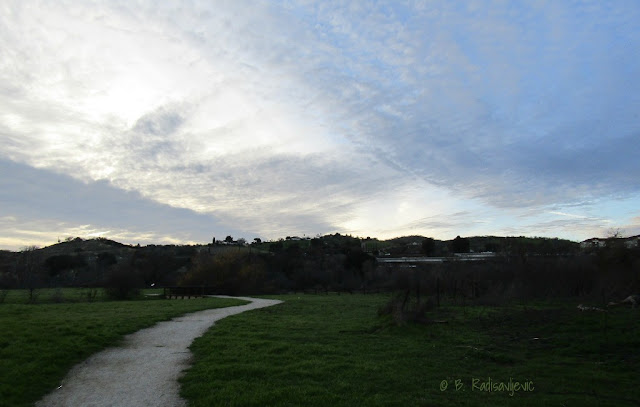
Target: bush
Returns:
[[89, 294], [403, 308], [229, 272], [123, 282], [57, 296]]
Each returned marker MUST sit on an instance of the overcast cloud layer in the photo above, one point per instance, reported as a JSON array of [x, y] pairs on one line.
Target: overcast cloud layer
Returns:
[[172, 122]]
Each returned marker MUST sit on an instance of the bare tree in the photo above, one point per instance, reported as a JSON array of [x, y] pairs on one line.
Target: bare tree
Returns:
[[614, 233], [29, 270]]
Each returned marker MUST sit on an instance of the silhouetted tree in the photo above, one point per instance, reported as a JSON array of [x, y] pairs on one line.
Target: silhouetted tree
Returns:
[[276, 247], [428, 246], [460, 245], [123, 282], [106, 259], [63, 262], [103, 262], [29, 270], [229, 272]]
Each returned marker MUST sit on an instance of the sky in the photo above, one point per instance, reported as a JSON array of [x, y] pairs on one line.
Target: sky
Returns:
[[175, 122]]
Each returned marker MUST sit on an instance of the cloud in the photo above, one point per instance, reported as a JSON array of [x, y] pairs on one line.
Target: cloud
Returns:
[[46, 205], [161, 122], [633, 227], [317, 116], [511, 109]]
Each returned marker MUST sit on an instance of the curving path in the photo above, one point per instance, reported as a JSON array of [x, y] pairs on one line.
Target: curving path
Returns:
[[144, 371]]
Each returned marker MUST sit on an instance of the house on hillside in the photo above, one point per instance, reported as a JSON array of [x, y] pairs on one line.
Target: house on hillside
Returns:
[[595, 243], [632, 242]]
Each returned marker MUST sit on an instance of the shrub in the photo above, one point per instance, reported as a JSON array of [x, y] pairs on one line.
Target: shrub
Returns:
[[228, 272], [89, 294], [403, 308], [57, 296], [123, 282]]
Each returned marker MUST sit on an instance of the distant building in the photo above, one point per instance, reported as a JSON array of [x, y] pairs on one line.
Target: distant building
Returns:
[[633, 241], [593, 243], [596, 243]]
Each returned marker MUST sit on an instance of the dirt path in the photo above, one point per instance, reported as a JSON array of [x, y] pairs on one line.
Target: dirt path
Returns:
[[144, 371]]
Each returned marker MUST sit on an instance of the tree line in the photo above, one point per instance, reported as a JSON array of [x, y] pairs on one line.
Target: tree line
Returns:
[[522, 266]]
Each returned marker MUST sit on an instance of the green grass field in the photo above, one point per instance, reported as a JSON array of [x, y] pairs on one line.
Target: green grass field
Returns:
[[335, 350], [319, 350], [40, 342]]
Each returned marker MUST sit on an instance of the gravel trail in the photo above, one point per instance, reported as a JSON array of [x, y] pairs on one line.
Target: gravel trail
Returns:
[[144, 371]]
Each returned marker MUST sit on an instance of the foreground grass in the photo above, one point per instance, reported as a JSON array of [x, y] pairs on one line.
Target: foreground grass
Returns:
[[335, 350], [40, 342]]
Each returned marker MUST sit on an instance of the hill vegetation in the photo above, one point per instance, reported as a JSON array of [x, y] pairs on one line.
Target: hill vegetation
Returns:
[[508, 267]]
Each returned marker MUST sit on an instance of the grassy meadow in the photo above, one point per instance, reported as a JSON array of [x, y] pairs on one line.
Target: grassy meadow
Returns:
[[320, 350], [40, 342], [335, 350]]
